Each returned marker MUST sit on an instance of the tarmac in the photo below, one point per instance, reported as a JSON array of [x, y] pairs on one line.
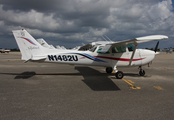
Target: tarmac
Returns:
[[42, 91]]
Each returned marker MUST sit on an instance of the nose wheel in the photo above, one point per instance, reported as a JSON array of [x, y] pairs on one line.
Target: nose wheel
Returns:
[[141, 72]]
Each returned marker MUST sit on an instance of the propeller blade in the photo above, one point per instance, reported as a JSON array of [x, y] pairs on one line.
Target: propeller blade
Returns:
[[156, 46]]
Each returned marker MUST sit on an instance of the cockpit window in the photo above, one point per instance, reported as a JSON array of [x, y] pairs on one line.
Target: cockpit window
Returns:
[[130, 47], [119, 49], [93, 48]]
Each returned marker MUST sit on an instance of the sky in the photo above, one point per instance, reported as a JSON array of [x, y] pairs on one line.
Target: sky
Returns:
[[72, 23]]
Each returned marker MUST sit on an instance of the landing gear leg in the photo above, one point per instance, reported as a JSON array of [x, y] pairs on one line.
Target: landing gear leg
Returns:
[[118, 74], [141, 72]]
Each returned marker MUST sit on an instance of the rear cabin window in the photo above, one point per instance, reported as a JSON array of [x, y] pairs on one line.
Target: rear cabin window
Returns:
[[119, 49]]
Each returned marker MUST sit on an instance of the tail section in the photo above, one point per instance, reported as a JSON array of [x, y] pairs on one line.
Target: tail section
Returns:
[[29, 47], [42, 42]]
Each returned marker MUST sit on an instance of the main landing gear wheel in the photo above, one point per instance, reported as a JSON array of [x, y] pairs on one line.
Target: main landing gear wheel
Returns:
[[109, 69], [119, 75]]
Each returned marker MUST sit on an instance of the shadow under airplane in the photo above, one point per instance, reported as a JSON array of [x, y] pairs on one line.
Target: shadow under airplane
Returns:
[[25, 75], [96, 80]]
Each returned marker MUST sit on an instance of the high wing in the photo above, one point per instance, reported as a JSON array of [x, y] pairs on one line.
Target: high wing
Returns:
[[143, 39], [134, 41]]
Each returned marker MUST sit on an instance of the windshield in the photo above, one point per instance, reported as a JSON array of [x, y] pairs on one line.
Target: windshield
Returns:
[[93, 48]]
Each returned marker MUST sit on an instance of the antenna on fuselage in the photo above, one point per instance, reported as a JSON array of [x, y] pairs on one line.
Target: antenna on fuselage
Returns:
[[104, 38], [108, 38]]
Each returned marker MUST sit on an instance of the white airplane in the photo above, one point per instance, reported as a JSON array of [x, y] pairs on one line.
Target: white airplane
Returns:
[[4, 51], [106, 54]]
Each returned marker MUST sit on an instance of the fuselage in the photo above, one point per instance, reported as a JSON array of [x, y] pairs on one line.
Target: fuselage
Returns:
[[95, 58]]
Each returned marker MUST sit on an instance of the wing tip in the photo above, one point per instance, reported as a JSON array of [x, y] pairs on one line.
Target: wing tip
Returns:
[[153, 37]]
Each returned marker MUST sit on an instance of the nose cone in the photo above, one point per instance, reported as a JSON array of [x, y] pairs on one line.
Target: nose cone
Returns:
[[148, 56], [157, 53]]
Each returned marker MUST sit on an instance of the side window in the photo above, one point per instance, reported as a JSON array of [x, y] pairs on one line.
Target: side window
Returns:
[[99, 50], [119, 49], [130, 47]]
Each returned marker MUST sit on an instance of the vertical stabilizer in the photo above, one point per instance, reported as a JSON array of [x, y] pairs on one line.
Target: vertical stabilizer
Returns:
[[29, 47]]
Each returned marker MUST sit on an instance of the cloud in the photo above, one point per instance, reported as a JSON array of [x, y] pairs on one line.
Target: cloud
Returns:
[[38, 5], [82, 21], [29, 19]]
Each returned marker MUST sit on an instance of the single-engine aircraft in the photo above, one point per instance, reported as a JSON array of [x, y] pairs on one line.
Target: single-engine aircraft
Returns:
[[106, 54]]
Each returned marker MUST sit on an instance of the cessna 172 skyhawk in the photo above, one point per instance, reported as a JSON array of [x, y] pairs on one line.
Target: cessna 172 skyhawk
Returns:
[[106, 54]]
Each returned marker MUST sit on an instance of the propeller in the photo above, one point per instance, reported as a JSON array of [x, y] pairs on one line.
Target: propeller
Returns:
[[156, 46]]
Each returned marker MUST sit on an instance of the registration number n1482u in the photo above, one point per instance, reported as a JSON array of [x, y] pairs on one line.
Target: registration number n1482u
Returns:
[[62, 57]]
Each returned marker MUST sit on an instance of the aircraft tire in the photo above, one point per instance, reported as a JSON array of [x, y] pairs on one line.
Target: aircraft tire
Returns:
[[119, 75], [109, 69], [142, 73]]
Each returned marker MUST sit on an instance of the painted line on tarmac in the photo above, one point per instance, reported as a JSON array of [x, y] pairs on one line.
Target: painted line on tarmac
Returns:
[[131, 84], [158, 88], [131, 81]]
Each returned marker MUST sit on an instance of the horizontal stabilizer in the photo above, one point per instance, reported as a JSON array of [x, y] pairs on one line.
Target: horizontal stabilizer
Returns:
[[38, 57]]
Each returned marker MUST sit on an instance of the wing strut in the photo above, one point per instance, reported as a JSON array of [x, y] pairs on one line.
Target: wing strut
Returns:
[[133, 54]]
